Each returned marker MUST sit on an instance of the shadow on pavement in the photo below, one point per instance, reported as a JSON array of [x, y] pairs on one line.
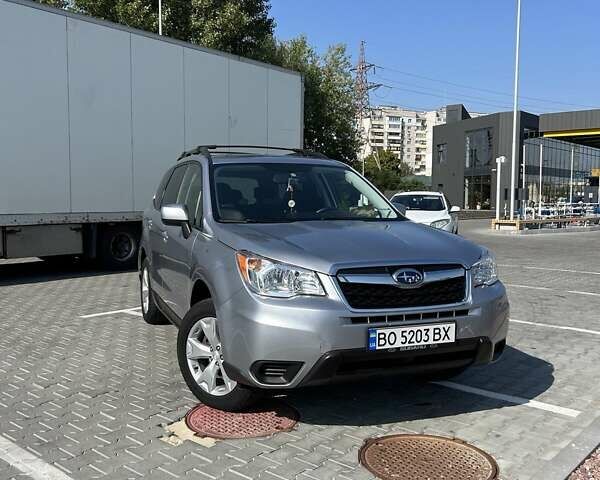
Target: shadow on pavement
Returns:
[[403, 399], [36, 271]]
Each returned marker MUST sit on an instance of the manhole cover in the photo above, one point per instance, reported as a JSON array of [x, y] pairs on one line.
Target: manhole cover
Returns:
[[426, 457], [261, 421]]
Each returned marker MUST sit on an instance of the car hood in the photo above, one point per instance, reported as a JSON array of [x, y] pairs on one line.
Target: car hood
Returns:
[[425, 216], [326, 246]]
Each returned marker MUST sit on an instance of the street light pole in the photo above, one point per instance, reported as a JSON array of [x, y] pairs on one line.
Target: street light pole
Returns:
[[499, 162], [515, 109], [524, 201], [541, 177], [160, 17]]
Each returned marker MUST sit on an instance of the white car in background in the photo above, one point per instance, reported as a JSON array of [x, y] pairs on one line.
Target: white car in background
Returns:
[[428, 208]]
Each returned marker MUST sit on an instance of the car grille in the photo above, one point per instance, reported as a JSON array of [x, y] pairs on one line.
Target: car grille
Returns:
[[406, 317], [386, 296]]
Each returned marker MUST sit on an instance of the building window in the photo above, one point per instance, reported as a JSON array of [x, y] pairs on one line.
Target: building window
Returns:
[[479, 148]]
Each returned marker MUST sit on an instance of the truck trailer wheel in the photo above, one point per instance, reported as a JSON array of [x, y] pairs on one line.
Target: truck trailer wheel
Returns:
[[119, 246]]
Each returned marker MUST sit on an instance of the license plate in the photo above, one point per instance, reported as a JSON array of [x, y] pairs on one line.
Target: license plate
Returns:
[[413, 336]]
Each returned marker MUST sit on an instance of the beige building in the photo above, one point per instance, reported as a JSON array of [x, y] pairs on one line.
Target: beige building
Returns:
[[407, 133]]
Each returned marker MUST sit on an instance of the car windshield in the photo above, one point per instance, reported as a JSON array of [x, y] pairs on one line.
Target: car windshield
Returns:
[[429, 203], [287, 192]]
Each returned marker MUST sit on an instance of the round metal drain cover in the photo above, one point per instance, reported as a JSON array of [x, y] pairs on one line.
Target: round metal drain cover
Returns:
[[426, 457], [261, 421]]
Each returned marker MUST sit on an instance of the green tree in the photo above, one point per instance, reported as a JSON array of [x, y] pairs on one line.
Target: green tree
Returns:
[[329, 109], [389, 173], [241, 27], [55, 3]]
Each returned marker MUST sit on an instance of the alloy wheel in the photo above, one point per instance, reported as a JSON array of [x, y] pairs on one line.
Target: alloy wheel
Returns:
[[205, 358]]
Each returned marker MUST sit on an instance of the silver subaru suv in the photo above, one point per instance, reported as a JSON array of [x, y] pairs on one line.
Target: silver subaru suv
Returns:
[[288, 270]]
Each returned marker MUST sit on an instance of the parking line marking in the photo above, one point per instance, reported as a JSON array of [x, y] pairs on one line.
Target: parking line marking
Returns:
[[559, 327], [584, 293], [567, 270], [28, 463], [102, 314], [526, 286], [576, 292], [569, 412], [133, 312]]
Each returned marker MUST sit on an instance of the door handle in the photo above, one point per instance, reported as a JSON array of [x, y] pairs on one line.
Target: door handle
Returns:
[[165, 235]]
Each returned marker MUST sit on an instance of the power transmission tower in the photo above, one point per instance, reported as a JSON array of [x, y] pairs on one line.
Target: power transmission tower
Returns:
[[361, 91]]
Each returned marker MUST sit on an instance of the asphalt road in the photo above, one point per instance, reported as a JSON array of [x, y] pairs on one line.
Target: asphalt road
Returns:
[[87, 396]]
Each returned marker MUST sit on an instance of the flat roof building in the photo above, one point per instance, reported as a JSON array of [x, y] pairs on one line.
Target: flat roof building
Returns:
[[465, 151]]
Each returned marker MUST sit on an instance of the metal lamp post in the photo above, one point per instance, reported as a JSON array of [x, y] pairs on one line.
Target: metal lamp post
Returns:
[[515, 110], [499, 162], [160, 17]]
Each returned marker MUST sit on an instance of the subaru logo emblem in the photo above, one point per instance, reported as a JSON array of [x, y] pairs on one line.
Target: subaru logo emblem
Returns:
[[408, 278]]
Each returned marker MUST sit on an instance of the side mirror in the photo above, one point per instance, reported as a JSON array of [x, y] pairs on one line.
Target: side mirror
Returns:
[[454, 209], [176, 215]]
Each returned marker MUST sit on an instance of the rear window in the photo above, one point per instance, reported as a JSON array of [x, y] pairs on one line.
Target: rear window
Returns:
[[420, 202]]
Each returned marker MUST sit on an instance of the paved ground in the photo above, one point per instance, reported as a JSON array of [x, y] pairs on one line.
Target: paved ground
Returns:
[[88, 397]]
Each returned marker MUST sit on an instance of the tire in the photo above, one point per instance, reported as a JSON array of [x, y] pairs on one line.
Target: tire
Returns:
[[217, 391], [119, 246], [150, 311]]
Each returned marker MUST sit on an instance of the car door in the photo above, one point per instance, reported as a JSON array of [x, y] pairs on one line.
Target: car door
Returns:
[[180, 243], [152, 222], [159, 234]]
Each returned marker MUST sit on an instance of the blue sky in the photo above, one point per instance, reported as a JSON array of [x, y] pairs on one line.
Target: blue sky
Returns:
[[461, 42]]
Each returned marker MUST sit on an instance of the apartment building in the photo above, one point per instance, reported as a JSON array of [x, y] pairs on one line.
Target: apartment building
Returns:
[[407, 133]]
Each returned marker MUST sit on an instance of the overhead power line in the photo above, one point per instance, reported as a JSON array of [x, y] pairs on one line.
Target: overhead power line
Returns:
[[390, 103], [471, 87], [455, 95]]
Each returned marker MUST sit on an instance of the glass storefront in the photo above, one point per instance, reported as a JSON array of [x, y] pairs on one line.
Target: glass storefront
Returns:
[[555, 183], [479, 158]]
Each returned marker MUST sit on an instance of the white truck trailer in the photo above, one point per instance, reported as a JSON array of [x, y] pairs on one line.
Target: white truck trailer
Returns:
[[93, 113]]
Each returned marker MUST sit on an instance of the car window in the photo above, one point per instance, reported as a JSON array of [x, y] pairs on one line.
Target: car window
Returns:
[[161, 188], [289, 192], [431, 203], [190, 194], [173, 186]]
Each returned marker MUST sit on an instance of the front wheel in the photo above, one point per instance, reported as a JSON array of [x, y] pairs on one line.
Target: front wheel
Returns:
[[200, 355]]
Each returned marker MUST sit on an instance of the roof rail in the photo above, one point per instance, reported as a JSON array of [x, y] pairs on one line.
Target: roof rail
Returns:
[[206, 150]]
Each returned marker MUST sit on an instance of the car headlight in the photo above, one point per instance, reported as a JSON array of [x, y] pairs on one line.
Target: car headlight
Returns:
[[484, 272], [440, 223], [275, 279]]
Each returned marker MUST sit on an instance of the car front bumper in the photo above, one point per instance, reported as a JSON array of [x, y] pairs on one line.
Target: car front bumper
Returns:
[[318, 339]]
